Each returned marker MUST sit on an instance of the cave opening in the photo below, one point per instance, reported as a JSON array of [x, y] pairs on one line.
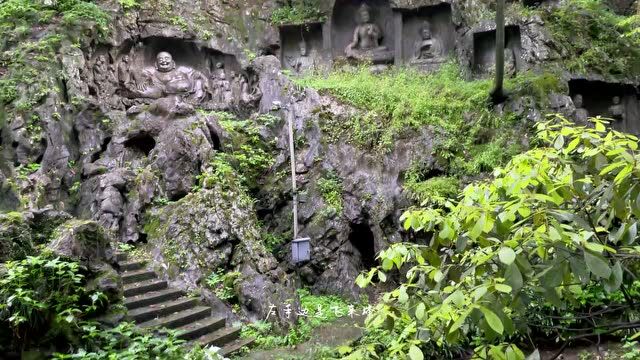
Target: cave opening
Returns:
[[141, 142], [361, 237]]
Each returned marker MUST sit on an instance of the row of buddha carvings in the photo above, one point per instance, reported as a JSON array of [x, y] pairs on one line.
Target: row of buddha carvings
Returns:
[[135, 80], [370, 31]]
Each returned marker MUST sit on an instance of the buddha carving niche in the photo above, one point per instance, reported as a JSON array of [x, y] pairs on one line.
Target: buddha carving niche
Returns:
[[165, 80], [367, 37], [427, 48]]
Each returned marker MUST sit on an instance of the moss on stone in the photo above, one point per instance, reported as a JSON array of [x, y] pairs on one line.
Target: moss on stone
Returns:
[[16, 240]]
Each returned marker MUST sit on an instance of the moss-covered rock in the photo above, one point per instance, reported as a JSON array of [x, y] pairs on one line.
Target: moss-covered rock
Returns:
[[84, 241], [217, 229], [15, 237]]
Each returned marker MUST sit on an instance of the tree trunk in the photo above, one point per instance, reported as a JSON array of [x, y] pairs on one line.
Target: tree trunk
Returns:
[[497, 95]]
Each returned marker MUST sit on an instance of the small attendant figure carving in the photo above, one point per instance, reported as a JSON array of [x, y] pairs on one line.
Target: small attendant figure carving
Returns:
[[103, 77], [367, 36], [124, 71], [427, 47], [617, 111], [220, 87], [581, 114]]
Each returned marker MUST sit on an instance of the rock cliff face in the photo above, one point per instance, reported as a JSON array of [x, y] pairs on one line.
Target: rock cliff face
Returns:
[[102, 149]]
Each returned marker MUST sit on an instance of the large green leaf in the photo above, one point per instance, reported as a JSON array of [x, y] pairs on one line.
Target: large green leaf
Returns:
[[597, 264], [513, 277], [615, 280], [492, 319], [415, 353], [506, 255]]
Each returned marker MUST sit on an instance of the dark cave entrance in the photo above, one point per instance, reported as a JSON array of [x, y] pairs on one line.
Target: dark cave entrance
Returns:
[[142, 142], [363, 243]]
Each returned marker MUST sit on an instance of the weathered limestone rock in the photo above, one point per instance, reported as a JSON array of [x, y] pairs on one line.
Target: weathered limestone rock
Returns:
[[84, 241], [215, 229]]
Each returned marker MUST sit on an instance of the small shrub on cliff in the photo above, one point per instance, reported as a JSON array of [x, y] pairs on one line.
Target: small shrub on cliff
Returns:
[[298, 12], [330, 188]]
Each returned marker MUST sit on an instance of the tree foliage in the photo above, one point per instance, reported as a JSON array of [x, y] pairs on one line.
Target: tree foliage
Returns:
[[557, 219]]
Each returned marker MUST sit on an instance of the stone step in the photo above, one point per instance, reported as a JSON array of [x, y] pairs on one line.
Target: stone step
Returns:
[[162, 309], [179, 319], [200, 328], [220, 337], [121, 256], [132, 265], [144, 287], [152, 297], [129, 277], [235, 345]]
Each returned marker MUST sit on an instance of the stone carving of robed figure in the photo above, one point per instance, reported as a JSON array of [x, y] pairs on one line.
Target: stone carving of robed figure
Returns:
[[426, 48], [166, 80], [367, 36]]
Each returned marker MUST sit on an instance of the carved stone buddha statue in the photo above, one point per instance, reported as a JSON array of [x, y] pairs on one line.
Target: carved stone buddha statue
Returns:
[[581, 114], [617, 111], [165, 80], [367, 36], [426, 48]]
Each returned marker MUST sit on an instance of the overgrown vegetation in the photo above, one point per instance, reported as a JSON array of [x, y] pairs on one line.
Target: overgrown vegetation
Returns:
[[298, 12], [470, 136], [25, 57], [245, 155], [45, 306], [223, 284], [43, 300], [330, 188], [547, 248], [126, 341], [594, 39], [316, 310]]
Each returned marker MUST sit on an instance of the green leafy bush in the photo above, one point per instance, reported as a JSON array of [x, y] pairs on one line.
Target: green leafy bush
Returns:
[[558, 223], [594, 39], [298, 12], [223, 284], [42, 297], [126, 341]]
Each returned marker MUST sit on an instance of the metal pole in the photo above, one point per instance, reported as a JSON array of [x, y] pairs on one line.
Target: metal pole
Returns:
[[293, 177]]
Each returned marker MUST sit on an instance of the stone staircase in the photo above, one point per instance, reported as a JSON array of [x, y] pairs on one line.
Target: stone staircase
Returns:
[[151, 303]]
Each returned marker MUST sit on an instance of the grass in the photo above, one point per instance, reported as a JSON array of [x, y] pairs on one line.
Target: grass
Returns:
[[470, 136]]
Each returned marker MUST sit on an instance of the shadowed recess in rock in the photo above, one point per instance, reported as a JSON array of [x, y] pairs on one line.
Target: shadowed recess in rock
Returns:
[[346, 19], [141, 142], [438, 20], [484, 44], [611, 100], [362, 240], [301, 46]]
